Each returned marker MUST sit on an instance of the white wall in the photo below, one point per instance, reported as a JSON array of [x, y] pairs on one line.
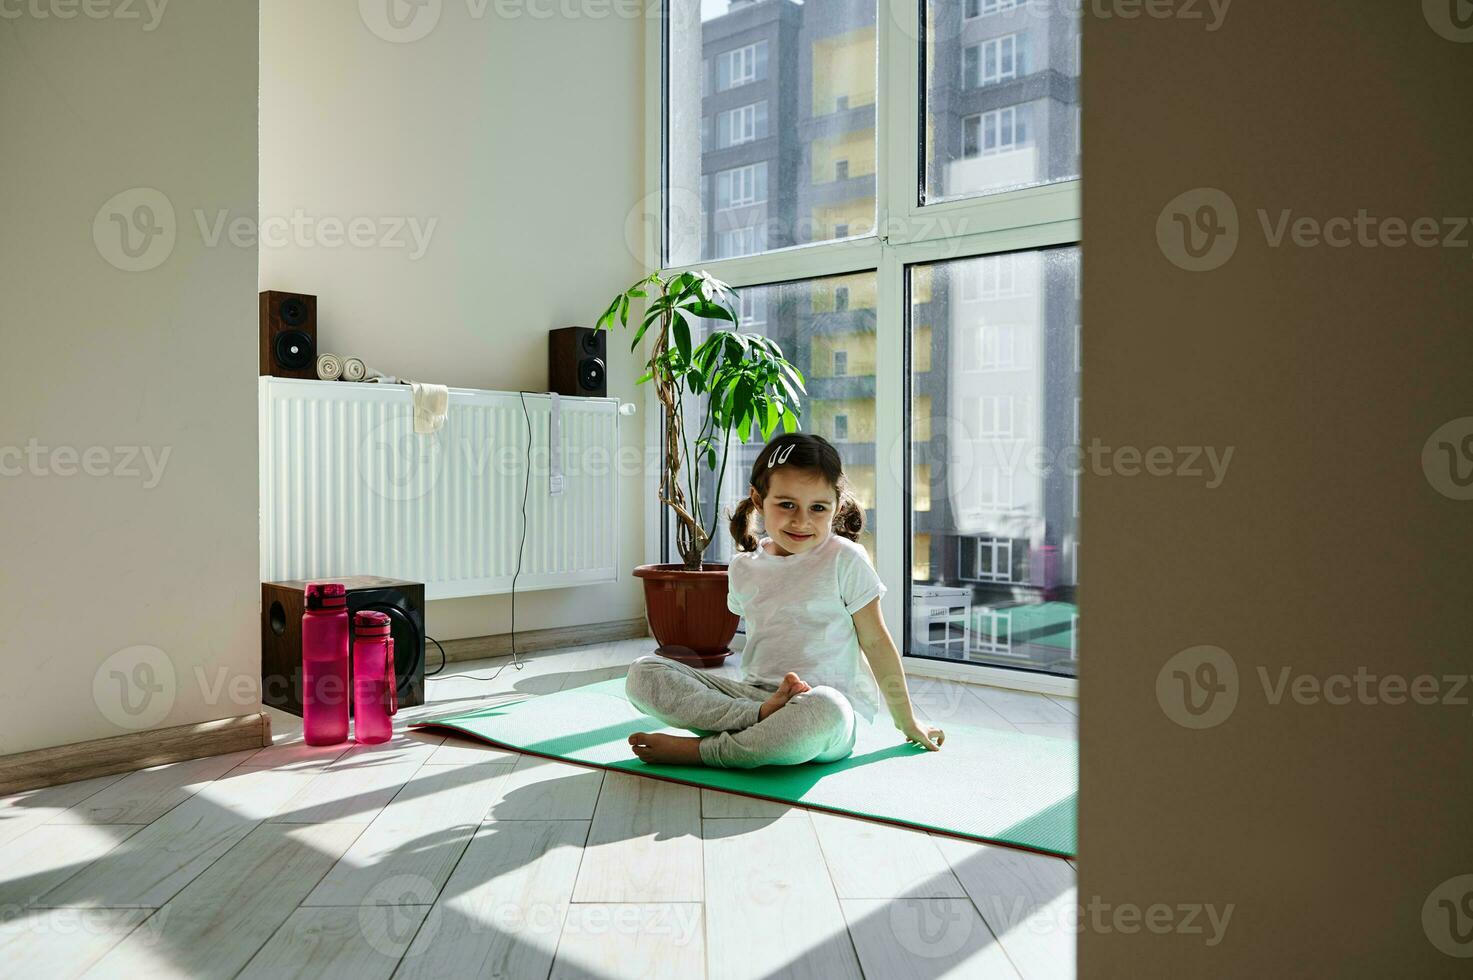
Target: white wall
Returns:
[[514, 142], [98, 362]]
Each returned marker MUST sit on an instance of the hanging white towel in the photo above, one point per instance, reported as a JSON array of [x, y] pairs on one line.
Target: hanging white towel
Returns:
[[431, 403]]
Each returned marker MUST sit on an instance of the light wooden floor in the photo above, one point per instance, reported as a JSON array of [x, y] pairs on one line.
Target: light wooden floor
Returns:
[[423, 857]]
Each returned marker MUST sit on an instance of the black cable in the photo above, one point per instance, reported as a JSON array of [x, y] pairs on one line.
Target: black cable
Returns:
[[526, 485], [432, 673]]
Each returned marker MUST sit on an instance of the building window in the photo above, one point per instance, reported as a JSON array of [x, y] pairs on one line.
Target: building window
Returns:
[[995, 132], [841, 299], [739, 241], [991, 62], [741, 66], [995, 347], [989, 278], [742, 124], [752, 308], [841, 231], [980, 8], [841, 363], [994, 560], [841, 169], [992, 632], [841, 428], [741, 186], [995, 416]]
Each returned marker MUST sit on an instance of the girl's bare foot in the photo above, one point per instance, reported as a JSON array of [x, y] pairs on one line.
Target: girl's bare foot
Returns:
[[792, 685], [676, 750]]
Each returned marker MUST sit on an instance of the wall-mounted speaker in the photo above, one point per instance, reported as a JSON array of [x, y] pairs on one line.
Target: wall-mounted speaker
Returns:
[[577, 359], [288, 335], [282, 604]]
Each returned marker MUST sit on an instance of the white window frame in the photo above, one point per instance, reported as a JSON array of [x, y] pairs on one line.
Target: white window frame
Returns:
[[987, 7], [1005, 44], [1001, 550], [746, 115], [995, 347], [996, 417], [1005, 116], [746, 57], [746, 178], [1036, 217]]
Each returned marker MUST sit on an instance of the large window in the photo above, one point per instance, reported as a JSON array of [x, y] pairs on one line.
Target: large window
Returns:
[[1001, 97], [820, 338], [1002, 517], [794, 94], [919, 265]]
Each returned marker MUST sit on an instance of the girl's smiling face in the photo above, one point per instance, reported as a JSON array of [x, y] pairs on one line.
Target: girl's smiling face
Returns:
[[798, 512]]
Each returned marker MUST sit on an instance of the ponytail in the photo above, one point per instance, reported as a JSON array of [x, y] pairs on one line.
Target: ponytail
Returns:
[[849, 518], [741, 525]]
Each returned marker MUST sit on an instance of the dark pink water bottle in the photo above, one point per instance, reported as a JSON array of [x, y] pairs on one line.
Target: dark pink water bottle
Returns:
[[373, 677], [325, 664]]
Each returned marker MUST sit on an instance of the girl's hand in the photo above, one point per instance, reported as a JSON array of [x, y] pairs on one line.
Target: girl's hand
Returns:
[[924, 735]]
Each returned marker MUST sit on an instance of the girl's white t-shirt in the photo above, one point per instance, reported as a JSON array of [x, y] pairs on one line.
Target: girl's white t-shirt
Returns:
[[798, 610]]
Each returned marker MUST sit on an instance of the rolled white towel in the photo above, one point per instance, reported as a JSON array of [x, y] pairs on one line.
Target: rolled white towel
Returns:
[[329, 367], [354, 369]]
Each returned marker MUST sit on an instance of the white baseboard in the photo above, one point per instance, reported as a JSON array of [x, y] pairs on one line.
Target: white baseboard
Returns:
[[1016, 680]]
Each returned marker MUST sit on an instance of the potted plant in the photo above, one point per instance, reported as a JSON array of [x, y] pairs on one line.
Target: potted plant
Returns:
[[751, 388]]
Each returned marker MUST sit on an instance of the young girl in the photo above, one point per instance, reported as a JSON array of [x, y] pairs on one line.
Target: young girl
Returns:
[[811, 601]]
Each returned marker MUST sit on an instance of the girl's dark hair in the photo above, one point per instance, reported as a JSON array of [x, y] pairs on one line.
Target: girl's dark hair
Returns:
[[798, 451]]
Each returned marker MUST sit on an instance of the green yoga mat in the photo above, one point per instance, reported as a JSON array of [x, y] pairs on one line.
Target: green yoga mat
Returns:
[[999, 787]]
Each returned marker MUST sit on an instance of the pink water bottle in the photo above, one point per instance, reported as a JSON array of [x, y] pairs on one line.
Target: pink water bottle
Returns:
[[325, 664], [373, 677]]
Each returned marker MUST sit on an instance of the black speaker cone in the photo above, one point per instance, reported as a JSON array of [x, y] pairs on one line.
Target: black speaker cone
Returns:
[[294, 349], [591, 373], [293, 311], [591, 344]]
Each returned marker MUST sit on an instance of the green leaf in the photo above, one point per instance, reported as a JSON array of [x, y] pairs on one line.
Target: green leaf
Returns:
[[681, 331], [711, 458], [710, 311], [645, 377], [790, 421]]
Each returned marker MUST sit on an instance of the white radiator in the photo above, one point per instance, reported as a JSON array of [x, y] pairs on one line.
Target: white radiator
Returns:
[[348, 488]]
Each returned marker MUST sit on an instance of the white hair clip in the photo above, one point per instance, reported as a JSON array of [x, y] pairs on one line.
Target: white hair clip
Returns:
[[775, 460]]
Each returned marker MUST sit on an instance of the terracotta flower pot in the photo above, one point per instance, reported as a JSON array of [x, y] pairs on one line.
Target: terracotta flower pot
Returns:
[[688, 609]]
